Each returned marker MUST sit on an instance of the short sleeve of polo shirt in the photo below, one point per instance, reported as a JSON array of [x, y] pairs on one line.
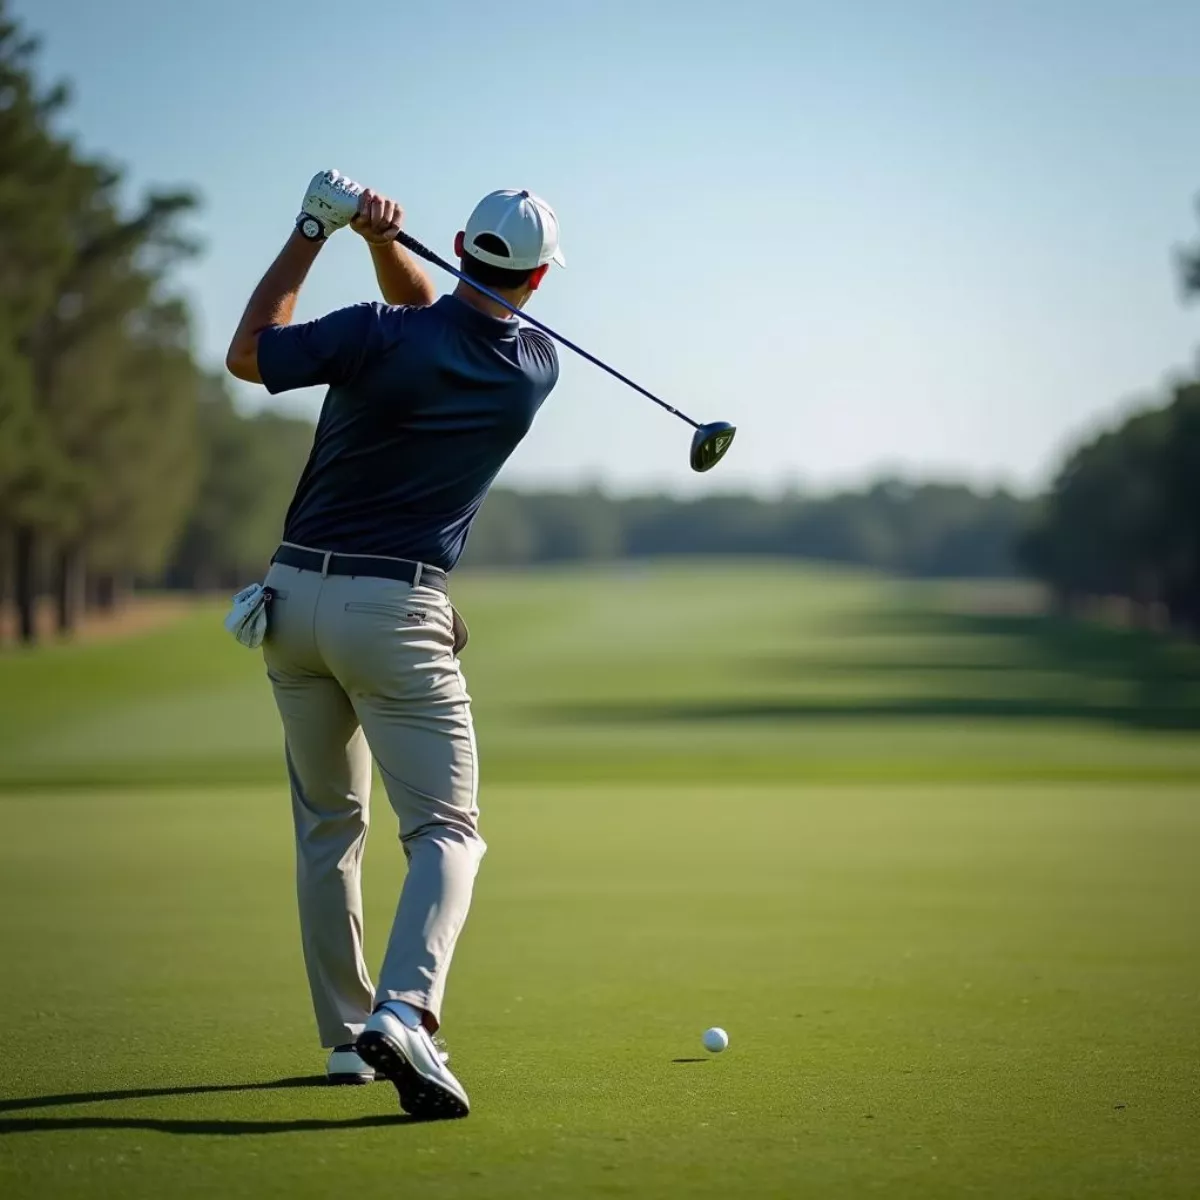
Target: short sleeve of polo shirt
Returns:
[[540, 360], [329, 350]]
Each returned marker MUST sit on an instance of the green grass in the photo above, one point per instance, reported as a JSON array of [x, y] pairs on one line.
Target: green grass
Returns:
[[768, 673], [933, 868]]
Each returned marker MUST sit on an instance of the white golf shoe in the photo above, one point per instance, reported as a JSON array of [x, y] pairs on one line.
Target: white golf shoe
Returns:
[[344, 1066], [408, 1057]]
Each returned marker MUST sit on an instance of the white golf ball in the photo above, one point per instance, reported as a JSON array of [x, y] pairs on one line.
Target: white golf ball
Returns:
[[715, 1040]]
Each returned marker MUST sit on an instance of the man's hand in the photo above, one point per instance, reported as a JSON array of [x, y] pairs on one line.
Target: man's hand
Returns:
[[332, 200], [378, 219]]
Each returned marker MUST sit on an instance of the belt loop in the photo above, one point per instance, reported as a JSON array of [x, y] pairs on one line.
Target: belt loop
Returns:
[[325, 564], [417, 576]]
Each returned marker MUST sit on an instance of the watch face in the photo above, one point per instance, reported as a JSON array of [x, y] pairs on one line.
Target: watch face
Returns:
[[310, 228]]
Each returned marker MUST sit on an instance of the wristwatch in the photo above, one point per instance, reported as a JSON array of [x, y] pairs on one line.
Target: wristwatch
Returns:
[[310, 228]]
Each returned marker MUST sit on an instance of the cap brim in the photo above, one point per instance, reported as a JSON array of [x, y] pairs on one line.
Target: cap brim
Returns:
[[557, 257]]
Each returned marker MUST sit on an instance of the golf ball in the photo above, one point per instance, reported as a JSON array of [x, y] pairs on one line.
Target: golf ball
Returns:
[[715, 1040]]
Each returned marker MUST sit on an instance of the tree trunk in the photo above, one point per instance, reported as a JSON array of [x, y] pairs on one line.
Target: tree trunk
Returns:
[[103, 592], [25, 582], [1189, 612], [122, 589], [5, 580], [69, 587]]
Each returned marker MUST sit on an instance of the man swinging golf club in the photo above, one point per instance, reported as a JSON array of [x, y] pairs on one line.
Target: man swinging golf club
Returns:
[[427, 399]]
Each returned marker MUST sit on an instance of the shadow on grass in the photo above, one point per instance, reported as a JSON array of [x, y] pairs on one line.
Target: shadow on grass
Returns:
[[200, 1089], [211, 1128], [963, 665], [10, 1125]]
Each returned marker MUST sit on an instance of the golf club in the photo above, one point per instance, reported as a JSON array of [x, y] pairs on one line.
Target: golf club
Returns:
[[709, 442]]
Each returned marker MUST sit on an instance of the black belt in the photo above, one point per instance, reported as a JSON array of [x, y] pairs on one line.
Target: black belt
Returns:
[[401, 569]]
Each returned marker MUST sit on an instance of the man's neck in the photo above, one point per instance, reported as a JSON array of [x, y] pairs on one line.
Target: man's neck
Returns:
[[468, 295]]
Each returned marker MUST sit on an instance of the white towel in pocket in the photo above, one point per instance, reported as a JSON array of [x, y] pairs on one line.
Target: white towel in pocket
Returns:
[[247, 619]]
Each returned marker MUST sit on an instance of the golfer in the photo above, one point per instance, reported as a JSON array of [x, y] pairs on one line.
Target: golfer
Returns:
[[427, 399]]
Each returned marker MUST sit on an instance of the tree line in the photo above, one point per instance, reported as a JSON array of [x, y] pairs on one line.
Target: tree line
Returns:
[[98, 460], [1122, 518], [926, 529]]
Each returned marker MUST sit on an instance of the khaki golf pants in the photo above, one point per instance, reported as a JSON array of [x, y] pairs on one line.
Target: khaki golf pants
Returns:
[[364, 667]]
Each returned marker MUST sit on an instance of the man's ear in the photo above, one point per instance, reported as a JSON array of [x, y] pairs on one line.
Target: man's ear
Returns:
[[535, 280], [458, 243]]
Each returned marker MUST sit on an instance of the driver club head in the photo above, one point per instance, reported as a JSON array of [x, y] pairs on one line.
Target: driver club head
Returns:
[[710, 443]]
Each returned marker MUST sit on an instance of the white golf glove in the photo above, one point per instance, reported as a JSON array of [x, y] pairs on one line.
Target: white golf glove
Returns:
[[331, 200]]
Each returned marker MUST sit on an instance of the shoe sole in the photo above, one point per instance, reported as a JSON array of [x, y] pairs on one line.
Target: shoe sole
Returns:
[[419, 1097], [351, 1080]]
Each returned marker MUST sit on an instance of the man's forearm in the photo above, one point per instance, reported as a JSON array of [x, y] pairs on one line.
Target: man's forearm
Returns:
[[272, 303], [401, 279]]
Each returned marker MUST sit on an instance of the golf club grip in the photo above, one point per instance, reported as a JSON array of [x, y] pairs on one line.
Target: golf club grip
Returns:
[[411, 244]]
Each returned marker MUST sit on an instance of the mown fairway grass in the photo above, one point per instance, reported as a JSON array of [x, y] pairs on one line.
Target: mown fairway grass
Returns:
[[935, 869]]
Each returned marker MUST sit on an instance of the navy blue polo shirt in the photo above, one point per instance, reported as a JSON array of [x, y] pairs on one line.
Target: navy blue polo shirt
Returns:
[[424, 407]]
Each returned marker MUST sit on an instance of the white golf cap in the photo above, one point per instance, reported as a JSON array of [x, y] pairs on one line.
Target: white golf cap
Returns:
[[525, 223]]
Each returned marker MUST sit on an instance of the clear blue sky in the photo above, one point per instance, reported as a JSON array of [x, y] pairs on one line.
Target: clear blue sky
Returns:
[[933, 236]]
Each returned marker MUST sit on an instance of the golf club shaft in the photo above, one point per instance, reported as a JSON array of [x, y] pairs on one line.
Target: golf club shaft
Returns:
[[411, 244]]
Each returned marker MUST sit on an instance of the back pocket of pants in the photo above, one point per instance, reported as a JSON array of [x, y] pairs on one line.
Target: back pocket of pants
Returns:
[[410, 616]]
